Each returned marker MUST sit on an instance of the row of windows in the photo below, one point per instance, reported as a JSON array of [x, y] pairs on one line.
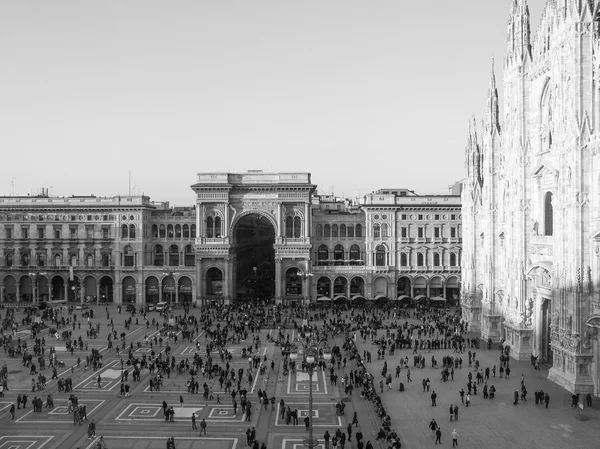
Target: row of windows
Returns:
[[57, 260], [57, 232], [405, 217], [342, 231], [422, 232], [179, 231], [454, 260], [58, 217]]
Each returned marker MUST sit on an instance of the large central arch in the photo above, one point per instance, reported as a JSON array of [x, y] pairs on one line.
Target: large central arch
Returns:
[[254, 240]]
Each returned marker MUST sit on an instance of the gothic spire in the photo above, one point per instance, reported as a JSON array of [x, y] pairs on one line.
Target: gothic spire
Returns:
[[492, 122], [518, 41]]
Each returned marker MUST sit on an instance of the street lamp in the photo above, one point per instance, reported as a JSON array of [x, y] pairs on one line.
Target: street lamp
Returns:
[[171, 275], [36, 285], [311, 352]]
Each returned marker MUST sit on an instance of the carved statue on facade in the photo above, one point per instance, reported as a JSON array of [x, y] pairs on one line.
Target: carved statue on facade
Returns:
[[534, 227]]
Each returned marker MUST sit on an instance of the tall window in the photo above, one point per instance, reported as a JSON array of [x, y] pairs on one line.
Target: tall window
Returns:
[[403, 259], [380, 256], [41, 259], [548, 214], [9, 233], [89, 260], [173, 255], [154, 231], [293, 227], [334, 231], [322, 254], [124, 231], [338, 254], [453, 259], [73, 260], [57, 260], [105, 259], [343, 231], [350, 232], [420, 259], [319, 231], [105, 232], [436, 232], [327, 231], [358, 231], [355, 252], [41, 232], [128, 256], [186, 231], [404, 232], [453, 232], [170, 233], [420, 232], [25, 232], [189, 257], [376, 231], [162, 231], [158, 256], [57, 233], [177, 231], [436, 259], [384, 230], [193, 231], [131, 231]]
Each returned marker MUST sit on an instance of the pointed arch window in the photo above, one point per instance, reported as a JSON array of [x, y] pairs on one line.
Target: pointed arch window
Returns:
[[297, 227], [131, 231], [210, 227], [319, 231], [548, 214], [350, 231], [384, 230], [380, 254], [128, 256], [322, 255], [376, 231]]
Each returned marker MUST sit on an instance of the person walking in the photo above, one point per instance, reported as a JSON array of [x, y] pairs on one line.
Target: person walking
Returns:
[[433, 398], [547, 400], [451, 412], [438, 435], [408, 376], [454, 438], [349, 430], [181, 402], [194, 426], [12, 411], [456, 413], [202, 427]]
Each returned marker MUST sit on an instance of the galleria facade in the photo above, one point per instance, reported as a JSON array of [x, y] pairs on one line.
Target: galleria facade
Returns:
[[249, 235], [531, 199]]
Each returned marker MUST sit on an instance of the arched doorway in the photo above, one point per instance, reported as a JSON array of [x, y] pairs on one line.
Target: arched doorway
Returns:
[[89, 287], [106, 289], [403, 287], [340, 286], [43, 289], [10, 289], [357, 286], [185, 290], [214, 282], [26, 289], [129, 290], [168, 289], [452, 289], [381, 285], [74, 289], [436, 288], [323, 287], [152, 292], [58, 289], [254, 239], [420, 286], [546, 349]]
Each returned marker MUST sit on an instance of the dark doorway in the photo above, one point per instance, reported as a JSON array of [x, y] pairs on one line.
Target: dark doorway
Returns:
[[255, 258], [546, 322]]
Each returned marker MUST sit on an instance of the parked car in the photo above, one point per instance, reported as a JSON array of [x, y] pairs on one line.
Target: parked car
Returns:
[[150, 307], [130, 308], [81, 307], [161, 306]]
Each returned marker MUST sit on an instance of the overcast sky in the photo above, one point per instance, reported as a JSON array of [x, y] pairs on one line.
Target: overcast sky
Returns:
[[362, 94]]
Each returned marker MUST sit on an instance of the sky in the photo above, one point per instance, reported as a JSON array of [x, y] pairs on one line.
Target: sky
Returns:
[[361, 94]]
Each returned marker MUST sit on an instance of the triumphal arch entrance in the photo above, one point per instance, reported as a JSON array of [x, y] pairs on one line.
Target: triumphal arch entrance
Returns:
[[253, 238]]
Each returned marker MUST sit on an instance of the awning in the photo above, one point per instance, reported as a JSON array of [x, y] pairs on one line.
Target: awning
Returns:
[[403, 298], [421, 298], [356, 297], [324, 298], [438, 298], [340, 298], [381, 297]]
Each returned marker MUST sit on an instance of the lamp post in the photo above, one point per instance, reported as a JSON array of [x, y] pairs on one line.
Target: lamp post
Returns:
[[311, 352], [171, 275], [36, 285], [305, 275]]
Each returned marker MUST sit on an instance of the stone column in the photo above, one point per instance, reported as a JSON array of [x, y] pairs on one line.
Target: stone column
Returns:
[[199, 284], [160, 290], [307, 224], [199, 221], [278, 274], [1, 292]]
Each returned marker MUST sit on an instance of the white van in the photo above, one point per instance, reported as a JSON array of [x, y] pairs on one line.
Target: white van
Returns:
[[161, 306]]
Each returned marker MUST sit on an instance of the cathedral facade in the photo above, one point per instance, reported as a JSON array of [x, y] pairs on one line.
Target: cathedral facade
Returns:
[[531, 198]]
